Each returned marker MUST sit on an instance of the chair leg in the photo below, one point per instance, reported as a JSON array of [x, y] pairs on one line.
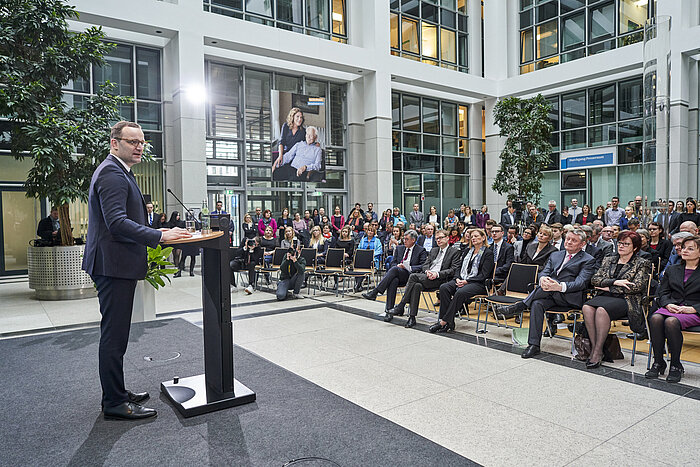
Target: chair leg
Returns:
[[649, 356], [573, 335], [634, 349]]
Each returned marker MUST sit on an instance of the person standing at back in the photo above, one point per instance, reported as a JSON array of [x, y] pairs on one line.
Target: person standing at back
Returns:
[[115, 257]]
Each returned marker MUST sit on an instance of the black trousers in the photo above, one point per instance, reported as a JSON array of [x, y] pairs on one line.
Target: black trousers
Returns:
[[539, 301], [452, 298], [417, 282], [394, 278], [116, 297]]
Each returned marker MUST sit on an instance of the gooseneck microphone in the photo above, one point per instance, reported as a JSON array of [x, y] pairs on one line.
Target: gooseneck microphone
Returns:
[[181, 203]]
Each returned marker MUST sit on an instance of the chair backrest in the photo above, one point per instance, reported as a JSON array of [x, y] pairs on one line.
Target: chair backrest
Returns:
[[309, 255], [364, 260], [520, 276], [334, 258], [278, 256]]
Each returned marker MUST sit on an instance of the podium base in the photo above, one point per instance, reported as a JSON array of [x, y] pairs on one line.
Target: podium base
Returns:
[[189, 396]]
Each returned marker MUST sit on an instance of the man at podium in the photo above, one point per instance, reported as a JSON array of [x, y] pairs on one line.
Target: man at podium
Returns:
[[115, 258]]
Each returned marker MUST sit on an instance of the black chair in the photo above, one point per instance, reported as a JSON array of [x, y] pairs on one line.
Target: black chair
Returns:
[[520, 282], [277, 258], [309, 255], [362, 265], [479, 299], [334, 266]]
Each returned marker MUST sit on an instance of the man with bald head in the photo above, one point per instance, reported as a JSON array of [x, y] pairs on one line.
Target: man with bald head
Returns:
[[689, 226]]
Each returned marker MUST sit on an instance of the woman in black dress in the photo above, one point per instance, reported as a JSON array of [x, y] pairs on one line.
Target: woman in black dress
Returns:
[[690, 214], [622, 282], [250, 230], [283, 222], [291, 133], [659, 243], [538, 252]]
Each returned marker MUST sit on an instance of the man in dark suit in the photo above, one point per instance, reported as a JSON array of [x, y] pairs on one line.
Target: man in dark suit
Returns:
[[408, 258], [534, 217], [504, 253], [562, 282], [551, 216], [115, 258], [439, 267], [152, 218], [49, 228], [508, 218], [509, 204], [597, 253], [427, 241]]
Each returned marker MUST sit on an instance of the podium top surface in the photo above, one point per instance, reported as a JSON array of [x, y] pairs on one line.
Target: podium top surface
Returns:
[[196, 237]]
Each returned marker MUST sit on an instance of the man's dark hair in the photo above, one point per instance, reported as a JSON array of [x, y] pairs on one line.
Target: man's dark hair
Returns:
[[119, 126], [633, 222], [615, 197]]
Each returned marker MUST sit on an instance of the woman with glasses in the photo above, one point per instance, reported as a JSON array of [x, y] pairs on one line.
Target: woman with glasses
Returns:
[[679, 299], [621, 282], [521, 245]]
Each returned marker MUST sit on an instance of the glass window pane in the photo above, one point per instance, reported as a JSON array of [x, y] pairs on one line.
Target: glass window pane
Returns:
[[117, 70], [226, 150], [630, 177], [431, 144], [462, 6], [455, 190], [421, 163], [290, 11], [449, 119], [550, 185], [463, 119], [287, 83], [572, 180], [317, 15], [337, 111], [455, 165], [411, 182], [258, 119], [430, 12], [409, 35], [573, 110], [260, 7], [603, 184], [395, 110], [602, 135], [396, 140], [449, 146], [335, 158], [526, 19], [526, 46], [633, 15], [339, 17], [411, 142], [411, 113], [554, 140], [411, 7], [448, 19], [147, 74], [394, 30], [149, 115], [78, 84], [602, 105], [547, 11], [601, 22], [463, 45], [451, 4], [574, 139], [554, 112], [547, 39], [630, 132], [75, 101], [431, 116], [448, 46], [429, 41], [315, 88], [223, 112], [571, 5], [629, 154], [126, 112], [631, 99], [573, 31]]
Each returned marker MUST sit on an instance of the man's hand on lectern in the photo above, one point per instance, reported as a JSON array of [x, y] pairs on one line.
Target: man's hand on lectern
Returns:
[[174, 234]]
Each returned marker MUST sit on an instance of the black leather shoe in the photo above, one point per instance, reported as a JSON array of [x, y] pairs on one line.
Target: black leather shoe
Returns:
[[396, 311], [128, 411], [674, 374], [370, 295], [411, 322], [558, 318], [137, 397], [434, 328], [641, 336], [655, 370], [531, 351], [445, 329], [591, 365], [517, 319], [554, 331], [505, 311], [191, 274], [358, 288], [388, 317], [178, 274]]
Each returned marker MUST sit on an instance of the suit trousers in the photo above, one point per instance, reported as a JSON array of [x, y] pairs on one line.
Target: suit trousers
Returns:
[[394, 278], [417, 282], [452, 298], [538, 302], [116, 297]]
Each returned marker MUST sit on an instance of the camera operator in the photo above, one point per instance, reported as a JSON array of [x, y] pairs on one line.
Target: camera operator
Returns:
[[246, 257], [291, 272]]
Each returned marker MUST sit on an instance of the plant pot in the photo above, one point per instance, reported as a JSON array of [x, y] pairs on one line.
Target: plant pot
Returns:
[[144, 303], [55, 273]]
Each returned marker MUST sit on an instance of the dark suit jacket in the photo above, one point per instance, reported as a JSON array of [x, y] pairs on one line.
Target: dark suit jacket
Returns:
[[45, 229], [506, 256], [597, 253], [541, 258], [674, 290], [589, 219], [449, 265], [576, 274], [505, 220], [485, 269], [565, 219], [417, 257], [156, 221], [117, 232], [664, 249], [421, 241], [553, 219]]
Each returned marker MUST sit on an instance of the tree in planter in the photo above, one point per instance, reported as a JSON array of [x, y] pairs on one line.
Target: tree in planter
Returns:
[[38, 56], [526, 126]]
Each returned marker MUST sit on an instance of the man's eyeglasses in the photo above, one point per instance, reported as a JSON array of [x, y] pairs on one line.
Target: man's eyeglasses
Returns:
[[438, 237], [624, 244], [133, 142]]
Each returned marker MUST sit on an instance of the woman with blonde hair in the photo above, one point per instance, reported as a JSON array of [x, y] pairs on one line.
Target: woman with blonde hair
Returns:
[[318, 242], [288, 239]]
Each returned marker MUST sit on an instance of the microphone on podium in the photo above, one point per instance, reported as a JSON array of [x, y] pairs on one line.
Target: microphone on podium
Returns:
[[181, 203]]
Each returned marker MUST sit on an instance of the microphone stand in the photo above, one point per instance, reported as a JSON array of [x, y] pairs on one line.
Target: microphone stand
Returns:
[[181, 203]]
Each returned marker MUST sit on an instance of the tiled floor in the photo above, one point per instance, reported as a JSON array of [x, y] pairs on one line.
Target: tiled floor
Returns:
[[475, 397]]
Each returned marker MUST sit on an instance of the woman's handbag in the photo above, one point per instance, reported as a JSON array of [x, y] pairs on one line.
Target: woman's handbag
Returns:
[[583, 347]]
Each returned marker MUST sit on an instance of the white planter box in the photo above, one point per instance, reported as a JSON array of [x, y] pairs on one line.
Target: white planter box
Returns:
[[144, 303], [56, 274]]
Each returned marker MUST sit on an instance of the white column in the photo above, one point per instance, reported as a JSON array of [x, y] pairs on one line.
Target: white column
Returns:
[[474, 18], [494, 146], [476, 158]]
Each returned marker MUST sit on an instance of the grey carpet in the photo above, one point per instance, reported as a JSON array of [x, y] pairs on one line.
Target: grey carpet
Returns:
[[51, 410]]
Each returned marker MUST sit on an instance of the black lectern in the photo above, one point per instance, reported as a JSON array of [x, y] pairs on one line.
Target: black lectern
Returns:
[[216, 389]]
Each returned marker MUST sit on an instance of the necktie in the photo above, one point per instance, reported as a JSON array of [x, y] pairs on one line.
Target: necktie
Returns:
[[568, 258], [405, 256], [495, 253], [150, 219]]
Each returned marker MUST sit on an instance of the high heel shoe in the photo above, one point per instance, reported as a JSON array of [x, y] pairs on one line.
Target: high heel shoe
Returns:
[[674, 374], [591, 365], [656, 370]]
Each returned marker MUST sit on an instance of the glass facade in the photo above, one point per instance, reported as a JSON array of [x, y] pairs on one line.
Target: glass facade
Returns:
[[430, 155], [240, 138], [558, 31], [430, 31], [605, 115], [326, 19]]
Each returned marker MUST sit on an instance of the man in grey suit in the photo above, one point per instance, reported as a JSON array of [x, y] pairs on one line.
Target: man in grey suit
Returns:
[[562, 282], [416, 217], [439, 267], [599, 242]]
